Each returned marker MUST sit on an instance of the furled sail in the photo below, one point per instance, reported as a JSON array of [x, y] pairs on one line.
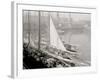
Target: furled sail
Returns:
[[54, 37], [32, 41], [26, 40]]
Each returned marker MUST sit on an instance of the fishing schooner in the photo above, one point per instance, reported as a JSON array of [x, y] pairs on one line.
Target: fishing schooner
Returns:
[[54, 51]]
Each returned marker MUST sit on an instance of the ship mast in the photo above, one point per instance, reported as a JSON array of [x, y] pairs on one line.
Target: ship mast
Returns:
[[70, 26], [28, 29], [39, 31]]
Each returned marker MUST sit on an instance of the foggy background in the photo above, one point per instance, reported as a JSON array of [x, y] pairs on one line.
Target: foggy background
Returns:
[[73, 28]]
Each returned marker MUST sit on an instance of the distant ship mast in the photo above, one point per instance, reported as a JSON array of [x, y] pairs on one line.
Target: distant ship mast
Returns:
[[28, 29], [70, 26]]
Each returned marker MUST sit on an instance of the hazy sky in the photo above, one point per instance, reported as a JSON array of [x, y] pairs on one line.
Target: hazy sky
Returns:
[[77, 17], [74, 16]]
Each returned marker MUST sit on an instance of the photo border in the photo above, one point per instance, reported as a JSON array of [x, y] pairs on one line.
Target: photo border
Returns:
[[17, 41]]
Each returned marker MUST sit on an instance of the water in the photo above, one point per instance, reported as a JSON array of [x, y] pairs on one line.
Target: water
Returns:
[[83, 41], [84, 44]]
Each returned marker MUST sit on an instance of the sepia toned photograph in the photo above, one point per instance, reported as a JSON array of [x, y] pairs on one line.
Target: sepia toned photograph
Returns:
[[54, 39]]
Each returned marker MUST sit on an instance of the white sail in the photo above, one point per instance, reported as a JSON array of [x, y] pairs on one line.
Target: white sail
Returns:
[[54, 38], [32, 41], [26, 40]]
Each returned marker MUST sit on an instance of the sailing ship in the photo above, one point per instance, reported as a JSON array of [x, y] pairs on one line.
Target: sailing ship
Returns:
[[56, 43], [70, 50], [54, 37]]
